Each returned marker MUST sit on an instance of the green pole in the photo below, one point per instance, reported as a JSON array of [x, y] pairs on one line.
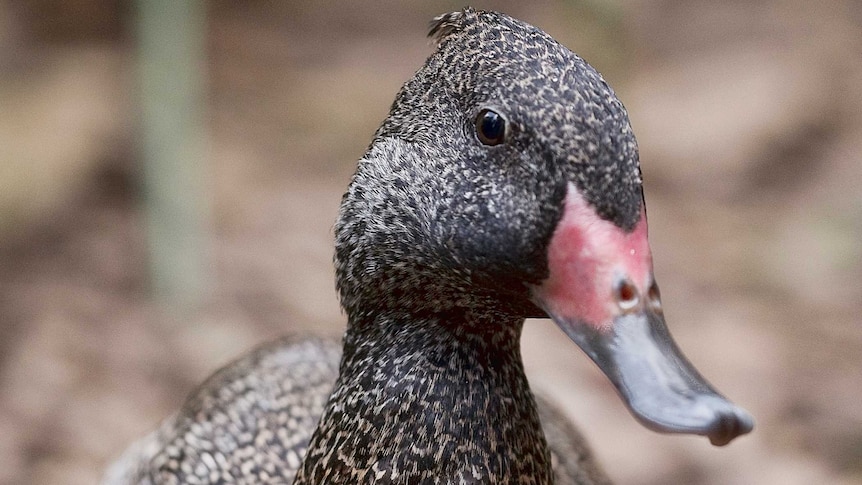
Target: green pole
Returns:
[[171, 41]]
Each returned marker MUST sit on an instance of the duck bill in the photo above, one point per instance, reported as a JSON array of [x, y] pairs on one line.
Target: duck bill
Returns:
[[601, 292], [659, 385]]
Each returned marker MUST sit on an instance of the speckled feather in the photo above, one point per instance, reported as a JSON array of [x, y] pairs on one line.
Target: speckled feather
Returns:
[[244, 425], [437, 240], [430, 202], [249, 423]]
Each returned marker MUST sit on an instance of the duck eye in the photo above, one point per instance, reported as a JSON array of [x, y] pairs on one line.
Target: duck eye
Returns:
[[490, 127]]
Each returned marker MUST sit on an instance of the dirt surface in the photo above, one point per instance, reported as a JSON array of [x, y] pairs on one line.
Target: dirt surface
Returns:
[[748, 118]]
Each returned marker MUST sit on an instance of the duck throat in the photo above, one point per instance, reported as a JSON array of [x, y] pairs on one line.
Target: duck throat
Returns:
[[430, 401]]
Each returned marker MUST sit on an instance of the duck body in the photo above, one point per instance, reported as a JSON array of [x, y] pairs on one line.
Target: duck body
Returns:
[[504, 184], [244, 425], [250, 422]]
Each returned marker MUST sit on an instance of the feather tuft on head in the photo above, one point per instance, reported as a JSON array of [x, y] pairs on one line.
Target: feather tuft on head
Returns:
[[445, 24]]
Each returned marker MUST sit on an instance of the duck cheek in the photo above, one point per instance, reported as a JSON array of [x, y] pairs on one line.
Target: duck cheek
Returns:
[[496, 252]]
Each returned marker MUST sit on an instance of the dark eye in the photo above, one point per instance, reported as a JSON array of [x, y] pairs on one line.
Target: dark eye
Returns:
[[490, 127]]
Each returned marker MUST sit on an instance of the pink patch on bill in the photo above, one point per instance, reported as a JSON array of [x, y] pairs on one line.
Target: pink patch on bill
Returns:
[[587, 256]]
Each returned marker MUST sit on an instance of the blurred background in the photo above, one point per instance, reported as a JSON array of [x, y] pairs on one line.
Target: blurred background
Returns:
[[749, 118]]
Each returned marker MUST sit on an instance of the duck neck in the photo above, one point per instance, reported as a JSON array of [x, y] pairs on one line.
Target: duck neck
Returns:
[[440, 398]]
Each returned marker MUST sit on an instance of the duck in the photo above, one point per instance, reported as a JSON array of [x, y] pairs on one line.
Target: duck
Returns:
[[504, 184]]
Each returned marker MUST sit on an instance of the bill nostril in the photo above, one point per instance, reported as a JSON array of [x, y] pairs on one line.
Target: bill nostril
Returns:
[[626, 295], [654, 297]]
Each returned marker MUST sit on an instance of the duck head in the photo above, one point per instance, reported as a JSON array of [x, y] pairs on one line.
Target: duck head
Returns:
[[506, 181]]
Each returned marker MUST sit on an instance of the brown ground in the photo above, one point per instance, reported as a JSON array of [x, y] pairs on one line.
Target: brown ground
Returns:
[[748, 116]]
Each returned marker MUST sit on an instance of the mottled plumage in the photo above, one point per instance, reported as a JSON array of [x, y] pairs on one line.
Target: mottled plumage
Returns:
[[441, 242], [251, 421]]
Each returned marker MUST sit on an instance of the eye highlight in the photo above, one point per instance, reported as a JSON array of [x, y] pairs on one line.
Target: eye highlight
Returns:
[[490, 127]]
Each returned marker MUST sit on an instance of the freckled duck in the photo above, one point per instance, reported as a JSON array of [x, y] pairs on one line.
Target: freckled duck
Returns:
[[504, 184]]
